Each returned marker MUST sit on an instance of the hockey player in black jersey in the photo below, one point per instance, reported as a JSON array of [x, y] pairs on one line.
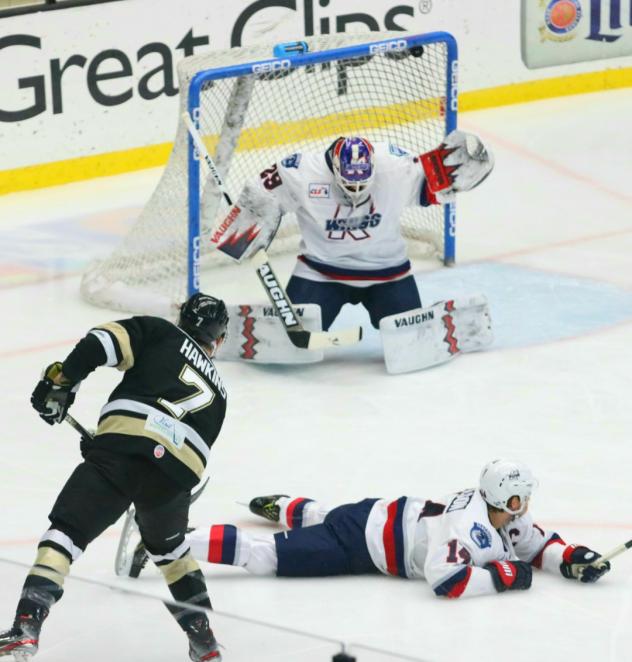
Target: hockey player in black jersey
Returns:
[[150, 447]]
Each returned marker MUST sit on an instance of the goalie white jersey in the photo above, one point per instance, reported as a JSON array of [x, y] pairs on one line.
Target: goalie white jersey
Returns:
[[359, 245], [449, 543]]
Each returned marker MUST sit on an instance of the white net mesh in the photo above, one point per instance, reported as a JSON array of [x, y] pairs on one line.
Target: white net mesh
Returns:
[[249, 123]]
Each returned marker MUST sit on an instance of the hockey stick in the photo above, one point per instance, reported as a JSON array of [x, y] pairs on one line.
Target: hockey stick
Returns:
[[619, 549], [298, 335], [77, 426]]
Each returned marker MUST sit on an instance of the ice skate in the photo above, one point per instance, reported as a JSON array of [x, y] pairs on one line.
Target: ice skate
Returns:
[[203, 646], [21, 640], [266, 506]]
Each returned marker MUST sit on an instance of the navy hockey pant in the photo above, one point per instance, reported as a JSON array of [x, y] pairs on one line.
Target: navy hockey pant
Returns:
[[380, 300], [335, 547]]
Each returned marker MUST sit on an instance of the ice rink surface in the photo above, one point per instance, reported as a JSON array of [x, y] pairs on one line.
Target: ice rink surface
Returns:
[[548, 239]]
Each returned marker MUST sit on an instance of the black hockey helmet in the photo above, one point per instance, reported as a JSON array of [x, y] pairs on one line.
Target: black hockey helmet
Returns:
[[204, 318]]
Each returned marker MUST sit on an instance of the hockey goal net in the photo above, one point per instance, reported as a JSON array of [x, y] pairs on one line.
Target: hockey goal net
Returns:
[[252, 110]]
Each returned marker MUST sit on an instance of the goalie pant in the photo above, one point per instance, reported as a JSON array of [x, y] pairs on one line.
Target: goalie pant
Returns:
[[447, 543]]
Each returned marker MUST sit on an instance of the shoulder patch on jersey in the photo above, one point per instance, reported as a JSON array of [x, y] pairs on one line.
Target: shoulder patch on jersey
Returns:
[[460, 501], [397, 151], [480, 535], [291, 161]]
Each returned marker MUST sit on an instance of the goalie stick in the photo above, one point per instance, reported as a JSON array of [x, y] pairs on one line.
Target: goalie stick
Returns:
[[298, 336]]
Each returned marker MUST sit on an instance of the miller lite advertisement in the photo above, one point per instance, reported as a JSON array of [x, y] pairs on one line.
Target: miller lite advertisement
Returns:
[[564, 31]]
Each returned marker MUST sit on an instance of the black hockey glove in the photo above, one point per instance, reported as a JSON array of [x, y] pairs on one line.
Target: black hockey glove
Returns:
[[50, 400], [510, 575], [576, 564]]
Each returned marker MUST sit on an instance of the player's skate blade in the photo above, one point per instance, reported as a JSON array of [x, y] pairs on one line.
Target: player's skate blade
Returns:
[[267, 506], [21, 645], [203, 646]]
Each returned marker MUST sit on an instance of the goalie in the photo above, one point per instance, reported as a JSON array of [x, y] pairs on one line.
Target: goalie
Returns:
[[348, 201]]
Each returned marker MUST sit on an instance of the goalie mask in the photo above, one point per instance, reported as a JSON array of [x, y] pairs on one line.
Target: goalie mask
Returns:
[[502, 479], [204, 318], [353, 166]]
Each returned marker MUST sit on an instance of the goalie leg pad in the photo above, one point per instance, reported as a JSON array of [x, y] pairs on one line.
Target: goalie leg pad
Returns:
[[425, 337], [255, 333]]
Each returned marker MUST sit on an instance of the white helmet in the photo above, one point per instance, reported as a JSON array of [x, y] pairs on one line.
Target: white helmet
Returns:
[[502, 479]]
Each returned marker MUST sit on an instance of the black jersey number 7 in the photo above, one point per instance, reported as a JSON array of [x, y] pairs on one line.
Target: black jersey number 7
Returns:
[[203, 396]]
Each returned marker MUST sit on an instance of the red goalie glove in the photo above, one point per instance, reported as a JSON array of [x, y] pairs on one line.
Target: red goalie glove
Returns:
[[460, 163]]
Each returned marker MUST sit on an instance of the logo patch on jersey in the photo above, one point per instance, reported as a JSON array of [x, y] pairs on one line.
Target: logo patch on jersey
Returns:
[[159, 451], [165, 427], [397, 151], [291, 161], [480, 535], [319, 190]]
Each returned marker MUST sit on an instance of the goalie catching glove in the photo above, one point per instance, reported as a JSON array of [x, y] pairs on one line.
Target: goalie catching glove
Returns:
[[459, 164], [582, 563], [53, 395]]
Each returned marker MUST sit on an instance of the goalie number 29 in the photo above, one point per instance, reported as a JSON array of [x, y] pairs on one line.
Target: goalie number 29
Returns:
[[271, 178]]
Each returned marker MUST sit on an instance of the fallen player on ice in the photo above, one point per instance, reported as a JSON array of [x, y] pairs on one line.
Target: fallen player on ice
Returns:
[[473, 542]]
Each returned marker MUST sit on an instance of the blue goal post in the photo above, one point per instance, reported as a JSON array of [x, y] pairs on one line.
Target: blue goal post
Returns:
[[292, 58]]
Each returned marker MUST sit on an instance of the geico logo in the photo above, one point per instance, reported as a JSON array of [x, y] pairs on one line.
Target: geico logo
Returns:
[[454, 81], [271, 67], [452, 220], [196, 262], [326, 24], [399, 45], [106, 69]]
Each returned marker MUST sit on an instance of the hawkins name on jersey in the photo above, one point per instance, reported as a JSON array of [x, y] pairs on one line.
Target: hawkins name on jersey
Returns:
[[171, 402], [361, 244]]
